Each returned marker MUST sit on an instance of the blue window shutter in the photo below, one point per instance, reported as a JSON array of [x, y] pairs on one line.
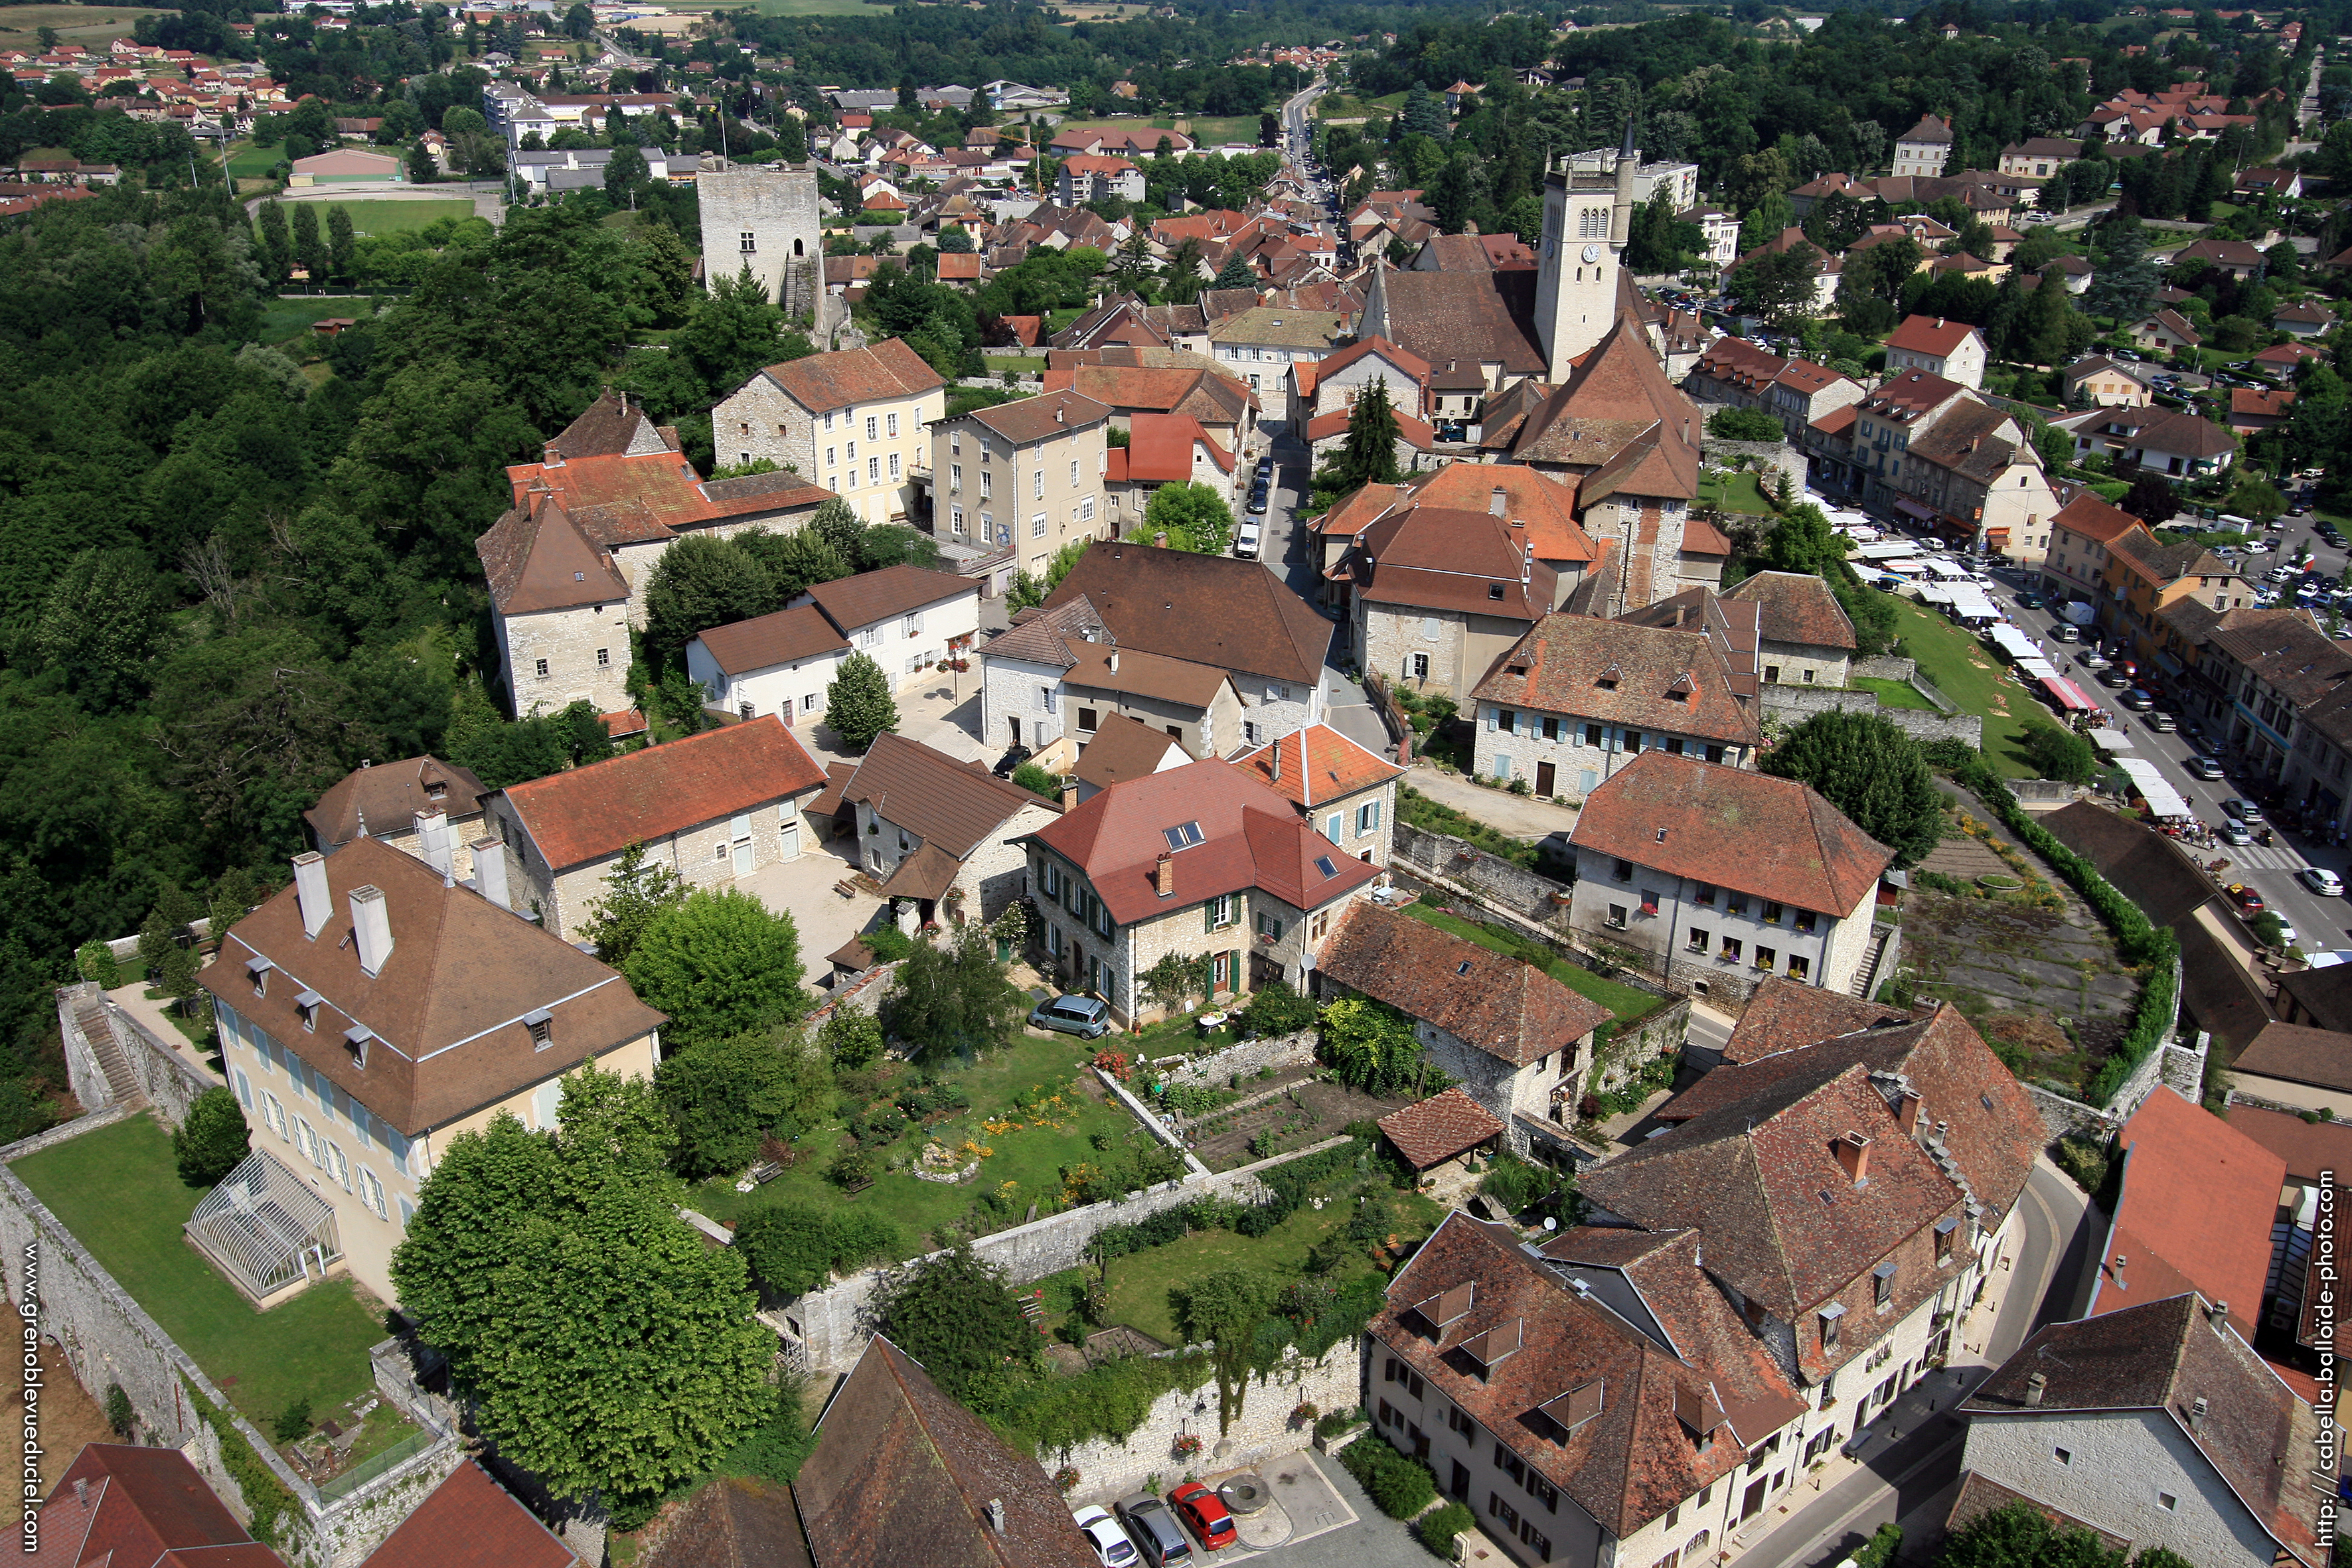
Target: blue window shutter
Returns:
[[1490, 719]]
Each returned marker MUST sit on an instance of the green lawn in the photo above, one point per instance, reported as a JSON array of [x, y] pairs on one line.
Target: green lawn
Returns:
[[1742, 493], [116, 1190], [1964, 669], [1029, 1155], [1624, 1001], [371, 219], [1027, 364], [1212, 130], [248, 162], [1891, 693], [283, 321]]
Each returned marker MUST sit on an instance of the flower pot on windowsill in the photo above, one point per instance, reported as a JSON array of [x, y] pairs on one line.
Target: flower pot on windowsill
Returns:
[[1563, 899]]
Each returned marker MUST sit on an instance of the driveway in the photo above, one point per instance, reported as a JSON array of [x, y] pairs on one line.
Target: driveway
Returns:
[[804, 889], [944, 717], [1518, 815], [1348, 709]]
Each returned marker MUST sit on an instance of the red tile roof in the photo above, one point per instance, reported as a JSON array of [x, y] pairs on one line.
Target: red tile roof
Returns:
[[588, 812], [1930, 334], [1317, 765], [1434, 1130], [471, 1521], [1160, 448], [1771, 837], [1492, 1002], [140, 1506], [2198, 1199], [889, 369], [2091, 516]]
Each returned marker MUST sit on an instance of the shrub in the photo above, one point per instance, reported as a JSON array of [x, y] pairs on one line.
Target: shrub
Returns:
[[293, 1423], [1744, 425], [855, 1168], [1277, 1009], [96, 960], [212, 1141], [1438, 1527], [1333, 1423], [1037, 782], [1398, 1486], [121, 1418]]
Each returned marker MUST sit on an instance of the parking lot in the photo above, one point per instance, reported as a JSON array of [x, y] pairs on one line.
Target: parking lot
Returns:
[[1315, 1516]]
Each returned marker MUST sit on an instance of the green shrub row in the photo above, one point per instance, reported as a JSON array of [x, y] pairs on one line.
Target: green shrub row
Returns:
[[1438, 1527], [1107, 1401], [266, 1496], [1400, 1486], [2139, 942]]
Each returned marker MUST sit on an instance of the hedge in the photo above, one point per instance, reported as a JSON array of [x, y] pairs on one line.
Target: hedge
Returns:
[[1400, 1486], [1438, 1527], [266, 1497], [1107, 1401], [2137, 940]]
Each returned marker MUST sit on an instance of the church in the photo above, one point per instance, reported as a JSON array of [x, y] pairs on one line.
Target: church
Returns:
[[1576, 389]]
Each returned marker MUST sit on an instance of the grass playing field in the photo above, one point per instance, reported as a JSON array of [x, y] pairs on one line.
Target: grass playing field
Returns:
[[85, 24], [377, 217]]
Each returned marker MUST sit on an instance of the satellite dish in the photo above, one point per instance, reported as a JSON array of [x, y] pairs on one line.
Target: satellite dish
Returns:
[[1550, 1224]]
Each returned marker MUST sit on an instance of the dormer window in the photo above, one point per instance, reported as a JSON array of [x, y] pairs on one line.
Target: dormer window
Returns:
[[1494, 590], [306, 1004], [259, 968], [355, 1040], [542, 1025]]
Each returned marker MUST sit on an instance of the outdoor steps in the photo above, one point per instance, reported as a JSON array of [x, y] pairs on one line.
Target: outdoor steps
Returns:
[[98, 1030], [1865, 974]]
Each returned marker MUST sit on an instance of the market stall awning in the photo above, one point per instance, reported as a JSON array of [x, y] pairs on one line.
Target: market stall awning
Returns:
[[2150, 786], [1914, 510], [2063, 693]]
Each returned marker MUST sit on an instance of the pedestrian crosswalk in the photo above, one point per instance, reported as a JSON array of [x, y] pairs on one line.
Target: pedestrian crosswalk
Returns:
[[2255, 858]]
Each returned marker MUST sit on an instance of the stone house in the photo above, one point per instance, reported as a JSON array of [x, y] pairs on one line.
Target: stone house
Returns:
[[372, 1010], [1260, 345], [2144, 579], [1025, 477], [1058, 673], [420, 806], [1539, 507], [1333, 384], [1234, 615], [1953, 349], [1088, 177], [2154, 1426], [1960, 465], [856, 421], [1204, 861], [1337, 785], [1578, 698], [2081, 534], [904, 618], [1520, 1040], [1132, 381], [1923, 151], [1437, 596], [940, 833], [1796, 391], [713, 808], [2103, 383], [2040, 156], [1722, 876], [1803, 635], [779, 663]]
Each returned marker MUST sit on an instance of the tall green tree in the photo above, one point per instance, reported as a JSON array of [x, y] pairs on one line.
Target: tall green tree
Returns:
[[723, 1095], [1776, 287], [1193, 516], [1237, 273], [637, 892], [624, 171], [954, 1001], [700, 581], [720, 964], [955, 1314], [1369, 455], [276, 242], [211, 1139], [1871, 771], [601, 1345], [342, 242], [309, 249], [858, 705], [2125, 281]]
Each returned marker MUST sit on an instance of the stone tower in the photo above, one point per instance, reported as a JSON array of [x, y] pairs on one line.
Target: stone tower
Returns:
[[1587, 217], [766, 219]]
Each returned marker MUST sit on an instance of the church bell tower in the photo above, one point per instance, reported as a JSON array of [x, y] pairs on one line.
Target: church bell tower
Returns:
[[1587, 217]]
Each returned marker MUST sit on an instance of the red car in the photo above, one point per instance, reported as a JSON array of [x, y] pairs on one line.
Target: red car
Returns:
[[1206, 1514], [2247, 899]]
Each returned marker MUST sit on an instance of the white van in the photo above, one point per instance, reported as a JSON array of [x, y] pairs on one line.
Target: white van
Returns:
[[1247, 540]]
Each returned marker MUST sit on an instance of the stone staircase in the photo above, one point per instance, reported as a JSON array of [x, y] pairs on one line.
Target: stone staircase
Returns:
[[1865, 974], [98, 1030]]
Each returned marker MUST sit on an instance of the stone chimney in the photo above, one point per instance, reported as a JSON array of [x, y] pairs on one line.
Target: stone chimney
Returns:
[[1853, 1151], [1276, 753], [1110, 661], [1069, 797], [491, 871], [372, 926], [1906, 1111], [433, 838], [311, 891], [1163, 875], [2036, 1385], [996, 1514], [2197, 1408], [1498, 502], [2218, 1314]]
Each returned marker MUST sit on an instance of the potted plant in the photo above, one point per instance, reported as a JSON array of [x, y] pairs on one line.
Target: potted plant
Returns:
[[1066, 1479], [1186, 1445]]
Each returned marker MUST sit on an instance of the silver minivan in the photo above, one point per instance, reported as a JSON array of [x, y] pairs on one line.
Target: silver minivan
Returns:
[[2066, 631], [1155, 1531]]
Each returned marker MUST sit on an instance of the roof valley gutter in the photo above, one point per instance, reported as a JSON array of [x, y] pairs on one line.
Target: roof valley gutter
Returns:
[[322, 996], [505, 1023]]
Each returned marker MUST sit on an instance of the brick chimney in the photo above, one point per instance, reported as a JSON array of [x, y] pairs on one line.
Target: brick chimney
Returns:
[[1069, 797], [1906, 1114], [1163, 875], [1853, 1151]]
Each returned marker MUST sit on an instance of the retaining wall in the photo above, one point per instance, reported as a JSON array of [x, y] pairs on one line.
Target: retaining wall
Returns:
[[107, 1338], [1261, 1430], [1768, 457], [1247, 1058], [1794, 704], [830, 1327], [1494, 882]]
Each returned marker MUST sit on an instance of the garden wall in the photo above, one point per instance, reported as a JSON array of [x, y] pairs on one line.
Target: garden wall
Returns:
[[1489, 879], [1263, 1429], [831, 1326], [1795, 704], [167, 1080], [1247, 1058], [108, 1337], [1767, 457]]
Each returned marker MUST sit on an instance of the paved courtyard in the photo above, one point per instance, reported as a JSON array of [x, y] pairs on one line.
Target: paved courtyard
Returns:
[[804, 889], [942, 717]]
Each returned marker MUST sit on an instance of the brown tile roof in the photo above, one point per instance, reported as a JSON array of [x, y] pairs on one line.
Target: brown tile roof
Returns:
[[903, 1474], [2089, 515], [1657, 1431], [732, 1521], [538, 558], [1376, 346], [1205, 395], [1432, 1131], [1618, 392], [1974, 440], [2298, 1053], [1104, 667], [2311, 1149], [1043, 417], [471, 1521], [145, 1505], [1210, 609], [1786, 1014], [1484, 316], [1491, 1002], [2165, 1355], [1772, 837], [1470, 562], [2144, 866], [1795, 607], [609, 427], [1037, 636], [1908, 395], [1647, 678], [955, 805], [1317, 765], [2198, 1197], [850, 603], [386, 797], [588, 812], [821, 381], [1250, 838], [1750, 1176], [1122, 749], [445, 1009], [764, 642], [1657, 462]]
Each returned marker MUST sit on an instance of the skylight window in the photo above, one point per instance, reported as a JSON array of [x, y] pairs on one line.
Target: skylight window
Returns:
[[1323, 864], [1183, 835]]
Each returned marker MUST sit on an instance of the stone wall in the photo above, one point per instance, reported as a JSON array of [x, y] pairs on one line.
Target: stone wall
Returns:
[[1453, 863], [1767, 457], [1885, 667], [830, 1327], [1262, 1430], [107, 1339], [1792, 705], [169, 1081], [1247, 1060]]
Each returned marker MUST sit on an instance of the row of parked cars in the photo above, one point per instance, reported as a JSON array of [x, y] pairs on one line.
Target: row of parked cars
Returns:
[[1143, 1532]]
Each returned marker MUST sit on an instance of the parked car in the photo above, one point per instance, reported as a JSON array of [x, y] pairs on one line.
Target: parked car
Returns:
[[1014, 755], [2205, 767], [2114, 679], [2066, 631], [2245, 811], [2248, 901], [2321, 880], [1247, 540], [1086, 1016], [1112, 1548], [1206, 1515], [2162, 723], [1154, 1530], [1258, 503]]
